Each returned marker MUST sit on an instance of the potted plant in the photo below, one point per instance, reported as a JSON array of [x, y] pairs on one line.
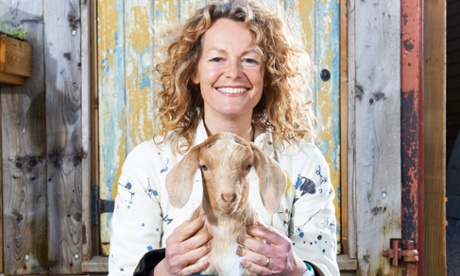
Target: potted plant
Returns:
[[15, 55]]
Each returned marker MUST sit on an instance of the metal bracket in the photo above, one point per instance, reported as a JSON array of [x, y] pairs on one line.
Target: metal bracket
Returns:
[[99, 206], [395, 253]]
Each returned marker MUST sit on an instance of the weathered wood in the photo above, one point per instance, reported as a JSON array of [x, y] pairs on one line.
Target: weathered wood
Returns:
[[64, 135], [25, 230], [112, 104], [351, 129], [86, 99], [434, 133], [412, 158], [95, 233], [344, 191], [374, 131]]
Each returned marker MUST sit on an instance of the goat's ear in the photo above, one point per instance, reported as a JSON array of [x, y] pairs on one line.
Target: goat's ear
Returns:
[[179, 181], [272, 180]]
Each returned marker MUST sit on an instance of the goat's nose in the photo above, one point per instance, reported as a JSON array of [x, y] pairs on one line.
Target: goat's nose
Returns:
[[228, 197]]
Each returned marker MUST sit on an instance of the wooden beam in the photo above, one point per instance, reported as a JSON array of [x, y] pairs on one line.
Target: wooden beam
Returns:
[[434, 133], [412, 130]]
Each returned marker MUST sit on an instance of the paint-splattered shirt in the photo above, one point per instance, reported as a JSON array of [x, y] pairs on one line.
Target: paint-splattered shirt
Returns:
[[143, 218]]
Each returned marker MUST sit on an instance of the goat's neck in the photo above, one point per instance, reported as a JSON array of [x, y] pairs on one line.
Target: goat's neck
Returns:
[[231, 224]]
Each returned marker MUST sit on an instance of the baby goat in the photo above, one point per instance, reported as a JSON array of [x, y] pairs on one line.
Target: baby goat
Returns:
[[225, 160]]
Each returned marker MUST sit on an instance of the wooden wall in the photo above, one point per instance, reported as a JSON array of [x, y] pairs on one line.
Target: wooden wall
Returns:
[[44, 146]]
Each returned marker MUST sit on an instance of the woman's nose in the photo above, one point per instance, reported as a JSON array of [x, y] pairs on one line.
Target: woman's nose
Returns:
[[233, 70]]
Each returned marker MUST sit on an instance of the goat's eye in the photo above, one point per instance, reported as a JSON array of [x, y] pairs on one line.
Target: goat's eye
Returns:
[[204, 167], [248, 167]]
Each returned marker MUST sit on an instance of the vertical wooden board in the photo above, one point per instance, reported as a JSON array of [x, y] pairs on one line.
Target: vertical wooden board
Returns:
[[86, 82], [377, 165], [188, 7], [434, 135], [139, 69], [64, 147], [112, 103], [327, 103], [351, 122], [24, 231], [344, 193]]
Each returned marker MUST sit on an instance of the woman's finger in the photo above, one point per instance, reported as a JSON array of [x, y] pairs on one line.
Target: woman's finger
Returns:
[[187, 229]]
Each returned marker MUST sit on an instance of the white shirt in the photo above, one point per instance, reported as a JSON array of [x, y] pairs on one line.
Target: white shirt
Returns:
[[143, 218]]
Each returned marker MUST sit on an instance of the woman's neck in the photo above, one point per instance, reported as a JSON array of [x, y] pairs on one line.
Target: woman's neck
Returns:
[[242, 128]]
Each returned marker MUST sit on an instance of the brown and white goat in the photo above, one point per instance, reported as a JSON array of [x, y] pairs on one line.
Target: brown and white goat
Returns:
[[225, 161]]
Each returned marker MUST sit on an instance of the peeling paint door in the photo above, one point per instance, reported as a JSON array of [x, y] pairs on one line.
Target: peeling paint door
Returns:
[[127, 43]]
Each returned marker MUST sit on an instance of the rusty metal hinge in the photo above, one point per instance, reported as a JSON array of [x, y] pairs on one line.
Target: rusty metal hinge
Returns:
[[99, 206], [395, 253]]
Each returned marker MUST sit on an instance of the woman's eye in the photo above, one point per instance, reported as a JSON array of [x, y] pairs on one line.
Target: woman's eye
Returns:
[[217, 59], [250, 61], [204, 167]]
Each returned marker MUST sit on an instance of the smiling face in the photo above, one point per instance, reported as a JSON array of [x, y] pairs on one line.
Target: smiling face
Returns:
[[230, 71]]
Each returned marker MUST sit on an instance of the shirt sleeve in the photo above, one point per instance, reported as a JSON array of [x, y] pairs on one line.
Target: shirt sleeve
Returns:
[[313, 222], [137, 218]]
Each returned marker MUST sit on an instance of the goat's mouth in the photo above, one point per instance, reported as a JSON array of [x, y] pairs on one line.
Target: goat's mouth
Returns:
[[228, 208]]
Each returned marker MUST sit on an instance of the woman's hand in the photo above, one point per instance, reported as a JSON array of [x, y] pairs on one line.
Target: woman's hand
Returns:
[[184, 249], [269, 252]]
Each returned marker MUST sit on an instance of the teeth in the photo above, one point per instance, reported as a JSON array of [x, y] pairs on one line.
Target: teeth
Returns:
[[233, 90]]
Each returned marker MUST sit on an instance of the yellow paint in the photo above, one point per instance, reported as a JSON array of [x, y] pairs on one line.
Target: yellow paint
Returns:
[[138, 28], [306, 9], [140, 119], [107, 27]]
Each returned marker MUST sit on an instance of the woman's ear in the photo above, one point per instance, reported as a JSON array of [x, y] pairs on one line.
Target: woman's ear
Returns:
[[195, 78]]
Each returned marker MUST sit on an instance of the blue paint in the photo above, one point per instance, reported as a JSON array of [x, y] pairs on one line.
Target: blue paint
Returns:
[[145, 81]]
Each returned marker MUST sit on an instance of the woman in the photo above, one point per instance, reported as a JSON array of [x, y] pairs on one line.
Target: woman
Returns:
[[233, 67]]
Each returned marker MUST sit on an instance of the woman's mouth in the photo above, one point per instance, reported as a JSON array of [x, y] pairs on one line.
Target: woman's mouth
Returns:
[[232, 90]]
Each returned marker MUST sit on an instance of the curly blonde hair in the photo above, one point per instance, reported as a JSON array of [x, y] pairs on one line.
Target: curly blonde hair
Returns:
[[282, 110]]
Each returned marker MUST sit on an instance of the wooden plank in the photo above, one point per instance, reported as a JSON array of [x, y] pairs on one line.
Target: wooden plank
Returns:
[[95, 232], [85, 23], [24, 228], [434, 132], [374, 131], [64, 137], [412, 157], [344, 192], [112, 104], [351, 143], [139, 74]]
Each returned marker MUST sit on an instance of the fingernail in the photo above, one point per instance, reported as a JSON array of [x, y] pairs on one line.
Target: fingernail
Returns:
[[205, 260], [239, 250], [204, 217]]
